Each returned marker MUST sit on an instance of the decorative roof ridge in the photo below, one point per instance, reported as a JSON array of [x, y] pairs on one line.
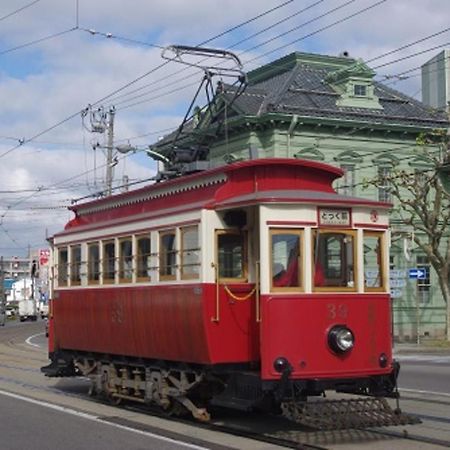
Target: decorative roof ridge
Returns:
[[289, 61], [358, 69]]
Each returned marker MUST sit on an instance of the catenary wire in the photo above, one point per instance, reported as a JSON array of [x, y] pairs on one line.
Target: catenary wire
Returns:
[[19, 10]]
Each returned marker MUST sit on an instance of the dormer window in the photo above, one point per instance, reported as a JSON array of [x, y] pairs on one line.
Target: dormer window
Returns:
[[360, 90], [354, 84]]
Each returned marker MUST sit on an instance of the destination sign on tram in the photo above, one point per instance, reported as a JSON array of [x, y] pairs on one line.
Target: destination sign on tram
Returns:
[[336, 217]]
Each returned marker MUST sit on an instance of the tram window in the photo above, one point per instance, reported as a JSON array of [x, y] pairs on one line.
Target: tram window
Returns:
[[125, 260], [334, 259], [93, 263], [108, 263], [63, 260], [373, 261], [285, 258], [231, 254], [167, 255], [143, 258], [190, 252], [75, 265]]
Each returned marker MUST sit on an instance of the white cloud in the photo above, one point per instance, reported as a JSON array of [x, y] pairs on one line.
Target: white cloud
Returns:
[[43, 84]]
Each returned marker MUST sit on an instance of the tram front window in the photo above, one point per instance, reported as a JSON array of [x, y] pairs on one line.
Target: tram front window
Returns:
[[285, 248], [334, 259], [231, 253]]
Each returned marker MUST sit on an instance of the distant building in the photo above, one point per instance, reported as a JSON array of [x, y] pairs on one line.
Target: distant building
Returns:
[[18, 268], [436, 81]]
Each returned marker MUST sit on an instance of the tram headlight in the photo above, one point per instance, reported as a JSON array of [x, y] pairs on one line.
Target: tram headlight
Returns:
[[341, 339]]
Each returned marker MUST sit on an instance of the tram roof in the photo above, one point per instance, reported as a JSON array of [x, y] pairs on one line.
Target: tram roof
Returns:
[[325, 174], [245, 183]]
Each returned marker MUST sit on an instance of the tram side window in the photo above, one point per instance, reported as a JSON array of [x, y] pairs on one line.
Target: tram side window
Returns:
[[108, 262], [167, 255], [373, 261], [285, 258], [125, 260], [63, 261], [190, 251], [334, 259], [231, 254], [143, 258], [93, 263], [75, 265]]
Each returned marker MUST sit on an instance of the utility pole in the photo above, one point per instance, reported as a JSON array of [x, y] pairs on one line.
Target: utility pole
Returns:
[[2, 294], [109, 149], [101, 121]]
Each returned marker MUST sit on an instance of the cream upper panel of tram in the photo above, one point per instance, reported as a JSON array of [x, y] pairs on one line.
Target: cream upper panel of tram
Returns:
[[132, 227], [288, 215], [370, 218]]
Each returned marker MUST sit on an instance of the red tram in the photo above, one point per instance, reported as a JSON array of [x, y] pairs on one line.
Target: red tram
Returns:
[[252, 285]]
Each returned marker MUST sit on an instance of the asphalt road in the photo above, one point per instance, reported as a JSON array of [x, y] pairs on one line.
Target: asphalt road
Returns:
[[30, 424], [41, 413], [425, 372]]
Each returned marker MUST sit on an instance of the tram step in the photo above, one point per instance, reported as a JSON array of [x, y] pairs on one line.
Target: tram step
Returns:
[[346, 414]]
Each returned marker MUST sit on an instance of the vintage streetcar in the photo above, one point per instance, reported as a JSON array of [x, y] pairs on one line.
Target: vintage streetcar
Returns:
[[252, 286]]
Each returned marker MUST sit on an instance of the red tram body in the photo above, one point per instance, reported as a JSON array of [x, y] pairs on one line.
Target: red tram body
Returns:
[[245, 285]]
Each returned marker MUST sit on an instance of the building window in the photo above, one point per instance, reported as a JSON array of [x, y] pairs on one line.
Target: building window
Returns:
[[93, 263], [63, 263], [143, 258], [108, 262], [190, 253], [232, 256], [75, 265], [424, 284], [373, 261], [384, 184], [334, 259], [126, 260], [167, 255], [285, 259], [347, 182], [360, 90]]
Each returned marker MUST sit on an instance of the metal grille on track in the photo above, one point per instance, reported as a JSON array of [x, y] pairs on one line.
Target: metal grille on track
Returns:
[[346, 414]]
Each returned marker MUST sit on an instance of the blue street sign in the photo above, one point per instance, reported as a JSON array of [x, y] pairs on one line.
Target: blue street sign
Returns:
[[420, 274]]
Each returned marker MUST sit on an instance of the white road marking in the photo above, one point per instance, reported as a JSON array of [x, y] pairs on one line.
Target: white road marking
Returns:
[[28, 341], [99, 420], [418, 391], [439, 359]]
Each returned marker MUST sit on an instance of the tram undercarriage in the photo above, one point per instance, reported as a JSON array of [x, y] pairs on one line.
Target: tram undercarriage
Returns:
[[180, 389]]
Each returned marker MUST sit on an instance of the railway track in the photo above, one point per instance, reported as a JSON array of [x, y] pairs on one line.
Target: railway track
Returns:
[[19, 372]]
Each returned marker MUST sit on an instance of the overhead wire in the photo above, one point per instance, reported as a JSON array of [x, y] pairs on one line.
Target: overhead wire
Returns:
[[245, 51], [137, 79], [19, 10], [264, 55], [283, 34], [38, 41], [184, 69]]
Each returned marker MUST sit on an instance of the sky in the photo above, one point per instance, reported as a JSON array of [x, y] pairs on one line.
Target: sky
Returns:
[[65, 62]]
